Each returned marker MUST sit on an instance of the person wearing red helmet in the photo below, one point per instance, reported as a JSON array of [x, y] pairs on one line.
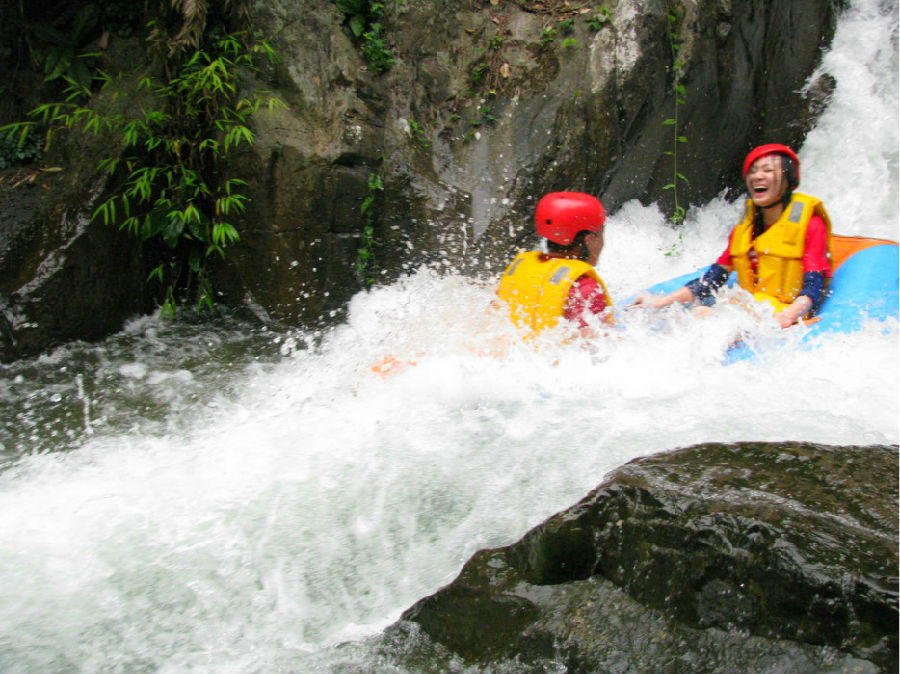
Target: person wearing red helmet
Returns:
[[542, 287], [781, 249]]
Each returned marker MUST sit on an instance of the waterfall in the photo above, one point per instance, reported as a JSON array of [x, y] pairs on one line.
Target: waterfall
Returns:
[[227, 499]]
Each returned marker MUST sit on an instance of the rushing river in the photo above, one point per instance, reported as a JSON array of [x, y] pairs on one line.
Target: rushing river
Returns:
[[228, 499]]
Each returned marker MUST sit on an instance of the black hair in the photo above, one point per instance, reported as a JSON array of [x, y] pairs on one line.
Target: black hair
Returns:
[[578, 241], [790, 172]]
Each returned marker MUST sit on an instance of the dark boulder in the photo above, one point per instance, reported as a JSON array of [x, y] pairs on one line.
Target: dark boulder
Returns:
[[749, 557]]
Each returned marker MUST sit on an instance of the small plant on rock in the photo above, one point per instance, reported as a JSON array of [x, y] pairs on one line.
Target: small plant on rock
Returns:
[[363, 18], [602, 18]]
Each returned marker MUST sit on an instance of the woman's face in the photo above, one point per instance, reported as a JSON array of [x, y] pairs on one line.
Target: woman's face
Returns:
[[765, 181]]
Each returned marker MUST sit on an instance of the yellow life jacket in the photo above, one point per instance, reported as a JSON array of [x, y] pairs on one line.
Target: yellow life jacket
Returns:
[[779, 250], [536, 290]]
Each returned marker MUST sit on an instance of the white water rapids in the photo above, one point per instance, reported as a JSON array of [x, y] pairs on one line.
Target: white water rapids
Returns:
[[225, 500]]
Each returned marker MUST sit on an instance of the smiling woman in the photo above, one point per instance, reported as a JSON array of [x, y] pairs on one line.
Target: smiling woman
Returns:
[[781, 249]]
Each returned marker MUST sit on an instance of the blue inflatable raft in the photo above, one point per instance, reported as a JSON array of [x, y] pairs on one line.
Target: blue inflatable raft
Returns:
[[865, 285]]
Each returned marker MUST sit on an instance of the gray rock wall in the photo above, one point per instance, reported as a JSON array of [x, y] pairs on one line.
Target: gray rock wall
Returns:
[[489, 105]]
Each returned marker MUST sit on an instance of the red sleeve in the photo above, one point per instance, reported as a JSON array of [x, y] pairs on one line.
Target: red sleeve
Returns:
[[815, 252], [725, 257], [585, 296]]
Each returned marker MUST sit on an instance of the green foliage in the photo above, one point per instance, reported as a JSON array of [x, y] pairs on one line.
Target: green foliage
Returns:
[[486, 116], [60, 50], [599, 20], [360, 13], [377, 55], [547, 36], [418, 134], [567, 25], [362, 16], [569, 43], [167, 157], [478, 74], [19, 148], [366, 266], [679, 92]]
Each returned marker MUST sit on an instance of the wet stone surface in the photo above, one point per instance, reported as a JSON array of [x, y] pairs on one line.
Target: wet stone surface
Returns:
[[747, 557]]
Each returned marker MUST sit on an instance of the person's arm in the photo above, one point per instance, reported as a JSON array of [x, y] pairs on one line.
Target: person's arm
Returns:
[[586, 297], [807, 300], [711, 280], [700, 288], [816, 266], [647, 299], [797, 309], [815, 247]]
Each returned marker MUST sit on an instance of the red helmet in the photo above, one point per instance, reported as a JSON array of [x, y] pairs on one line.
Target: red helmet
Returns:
[[559, 216], [771, 148]]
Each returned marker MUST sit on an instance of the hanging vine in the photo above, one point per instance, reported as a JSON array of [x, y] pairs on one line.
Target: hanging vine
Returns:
[[679, 92]]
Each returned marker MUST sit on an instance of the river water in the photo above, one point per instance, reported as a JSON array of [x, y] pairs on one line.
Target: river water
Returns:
[[228, 499]]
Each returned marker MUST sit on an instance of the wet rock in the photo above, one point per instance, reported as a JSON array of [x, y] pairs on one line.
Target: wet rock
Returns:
[[486, 107], [748, 557], [65, 275], [62, 276]]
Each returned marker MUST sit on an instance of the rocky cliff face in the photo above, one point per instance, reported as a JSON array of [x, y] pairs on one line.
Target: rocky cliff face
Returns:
[[488, 105], [717, 558]]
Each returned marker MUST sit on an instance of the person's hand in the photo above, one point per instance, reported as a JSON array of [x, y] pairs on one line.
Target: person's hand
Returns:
[[785, 319], [650, 301], [790, 315]]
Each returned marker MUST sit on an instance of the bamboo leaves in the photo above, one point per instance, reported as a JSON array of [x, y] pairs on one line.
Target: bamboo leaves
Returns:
[[167, 156]]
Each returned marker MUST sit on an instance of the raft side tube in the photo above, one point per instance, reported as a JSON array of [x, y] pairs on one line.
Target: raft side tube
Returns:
[[866, 285]]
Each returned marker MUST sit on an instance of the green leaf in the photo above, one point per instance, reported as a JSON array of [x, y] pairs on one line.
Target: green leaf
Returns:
[[132, 224], [168, 307], [107, 209], [357, 24], [224, 233], [195, 261], [59, 59], [174, 227], [156, 273], [205, 300]]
